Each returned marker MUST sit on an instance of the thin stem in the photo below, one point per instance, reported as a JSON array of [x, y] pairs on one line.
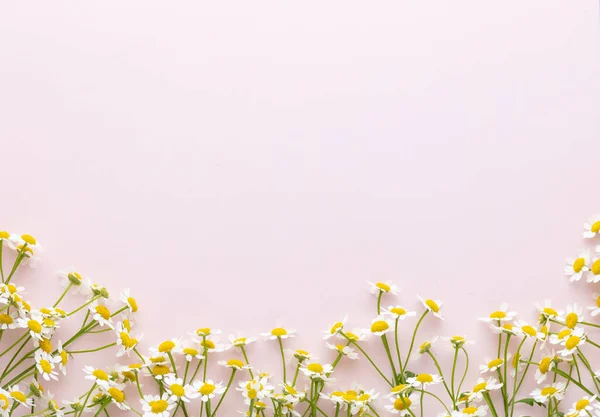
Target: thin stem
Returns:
[[466, 370], [247, 363], [412, 342], [225, 392], [389, 355], [368, 358], [282, 359], [437, 365], [63, 295], [93, 350]]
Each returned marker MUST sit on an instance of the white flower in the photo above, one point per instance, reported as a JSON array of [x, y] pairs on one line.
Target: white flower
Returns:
[[591, 227], [500, 315], [35, 324], [117, 396], [545, 365], [99, 376], [524, 329], [399, 313], [335, 328], [234, 364], [556, 390], [433, 306], [129, 301], [593, 274], [255, 389], [211, 345], [279, 333], [571, 343], [458, 341], [577, 266], [206, 389], [471, 411], [44, 362], [482, 387], [101, 314], [190, 353], [19, 396], [344, 350], [381, 287], [125, 341], [178, 390], [70, 276], [546, 310], [317, 371], [240, 341], [380, 326], [595, 309], [165, 347], [402, 404], [586, 406], [157, 406], [9, 321], [205, 332], [424, 380], [572, 316], [491, 365]]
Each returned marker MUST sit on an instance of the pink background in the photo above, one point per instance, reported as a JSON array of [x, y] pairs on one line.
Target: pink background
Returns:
[[236, 165]]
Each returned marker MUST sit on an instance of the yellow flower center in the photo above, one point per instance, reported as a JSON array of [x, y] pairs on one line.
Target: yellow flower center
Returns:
[[578, 264], [340, 347], [495, 363], [379, 326], [529, 330], [424, 378], [4, 403], [470, 410], [516, 359], [571, 320], [544, 365], [203, 331], [498, 315], [235, 362], [190, 351], [595, 227], [5, 319], [598, 301], [507, 326], [127, 341], [12, 288], [383, 286], [178, 390], [45, 345], [161, 370], [252, 394], [19, 396], [364, 397], [49, 323], [127, 325], [239, 341], [117, 394], [315, 367], [166, 346], [596, 267], [100, 374], [564, 333], [480, 387], [351, 336], [432, 305], [581, 404], [158, 406], [547, 391], [158, 359], [291, 390], [572, 342], [4, 235], [28, 239], [550, 311], [74, 278], [103, 312], [34, 326], [46, 366], [349, 396], [398, 311], [398, 388], [279, 331], [133, 304], [301, 352], [402, 403], [209, 344], [63, 357], [336, 327]]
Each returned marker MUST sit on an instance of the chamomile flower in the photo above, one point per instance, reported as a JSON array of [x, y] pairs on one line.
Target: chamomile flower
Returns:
[[99, 376], [506, 328], [545, 365], [92, 289], [382, 287], [290, 390], [577, 266], [8, 321], [129, 301], [572, 316], [70, 277], [189, 353], [402, 404], [17, 241], [593, 275], [206, 390], [356, 335], [482, 386], [19, 396], [491, 365], [397, 390], [343, 350], [595, 309], [44, 362], [317, 371], [425, 347], [279, 333], [299, 355], [75, 405], [424, 380], [166, 347], [432, 306], [236, 364], [35, 325], [240, 341], [575, 340], [178, 390], [380, 326], [52, 405], [101, 314], [399, 313], [471, 411], [157, 368], [255, 389], [157, 405], [592, 227], [500, 315], [586, 406], [125, 341], [211, 345], [117, 397], [542, 395], [561, 336], [459, 341], [336, 397], [524, 329], [546, 310], [206, 331], [335, 328]]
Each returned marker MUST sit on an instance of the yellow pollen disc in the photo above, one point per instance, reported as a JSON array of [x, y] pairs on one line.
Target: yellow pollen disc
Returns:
[[203, 331], [103, 312], [507, 326], [498, 315], [5, 319], [291, 390], [340, 347], [45, 345], [383, 286], [117, 394], [166, 346], [49, 323], [301, 352], [158, 359], [432, 305], [349, 396], [178, 390], [544, 329], [135, 366], [209, 344], [398, 311], [279, 331], [424, 378], [516, 359], [548, 391], [133, 304], [529, 330], [351, 336], [63, 357], [336, 394], [469, 410], [581, 404], [240, 341], [100, 374], [578, 264], [550, 311], [595, 227], [402, 403], [4, 403], [158, 406], [336, 327], [28, 239], [598, 302], [129, 376], [127, 325], [235, 362], [4, 235], [571, 320], [190, 351], [45, 365], [480, 387], [379, 326], [458, 338], [495, 362], [252, 394], [12, 288], [315, 367], [161, 370], [398, 388], [34, 326], [596, 267], [364, 397], [19, 396], [544, 365], [25, 249], [564, 333], [572, 342], [425, 346]]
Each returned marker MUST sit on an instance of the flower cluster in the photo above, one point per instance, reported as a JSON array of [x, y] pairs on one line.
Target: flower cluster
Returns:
[[173, 377]]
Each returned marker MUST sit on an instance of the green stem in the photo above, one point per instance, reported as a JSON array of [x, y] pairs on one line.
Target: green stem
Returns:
[[412, 341], [368, 358], [398, 351], [247, 362], [225, 392], [63, 295], [93, 350], [465, 373], [389, 355], [282, 359], [437, 365], [564, 375]]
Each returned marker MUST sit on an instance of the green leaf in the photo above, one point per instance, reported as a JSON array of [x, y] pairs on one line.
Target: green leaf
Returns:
[[530, 402]]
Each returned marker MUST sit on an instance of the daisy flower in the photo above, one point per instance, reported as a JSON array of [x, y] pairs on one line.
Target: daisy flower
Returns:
[[117, 397], [576, 267], [545, 365], [240, 341], [593, 274], [44, 363], [382, 287], [299, 354], [52, 405], [167, 347], [595, 309], [99, 376], [24, 240], [524, 329], [586, 406], [317, 371], [157, 405], [19, 396], [482, 387], [236, 364], [561, 336], [76, 405], [8, 321], [402, 404], [206, 390], [206, 331], [424, 380], [70, 276], [129, 301], [542, 395], [471, 411], [178, 390], [35, 324], [125, 341], [546, 310], [190, 353], [591, 227], [572, 316], [255, 389], [506, 328], [101, 314], [397, 390], [336, 397], [426, 346], [571, 343], [343, 350], [399, 313], [500, 315], [356, 335], [459, 341], [491, 365], [211, 345], [433, 306], [279, 333], [380, 326], [335, 329]]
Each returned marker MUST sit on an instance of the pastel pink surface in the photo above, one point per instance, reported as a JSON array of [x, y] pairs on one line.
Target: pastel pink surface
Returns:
[[239, 166]]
